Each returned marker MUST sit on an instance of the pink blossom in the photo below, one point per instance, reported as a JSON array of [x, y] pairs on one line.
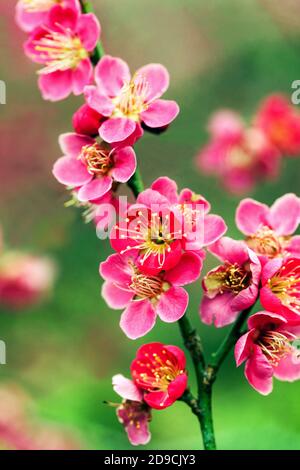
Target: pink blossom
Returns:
[[63, 45], [160, 226], [280, 122], [92, 167], [33, 13], [159, 370], [268, 351], [127, 102], [232, 286], [133, 412], [86, 121], [269, 230], [24, 279], [280, 292], [145, 297], [238, 155]]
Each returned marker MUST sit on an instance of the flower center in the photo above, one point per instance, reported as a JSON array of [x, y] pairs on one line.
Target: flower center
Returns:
[[274, 345], [147, 287], [239, 157], [157, 372], [285, 284], [132, 99], [279, 132], [266, 242], [97, 159], [229, 277], [32, 6], [61, 50]]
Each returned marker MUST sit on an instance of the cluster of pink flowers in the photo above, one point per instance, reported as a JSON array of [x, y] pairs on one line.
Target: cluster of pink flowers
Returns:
[[161, 240], [241, 155], [158, 379]]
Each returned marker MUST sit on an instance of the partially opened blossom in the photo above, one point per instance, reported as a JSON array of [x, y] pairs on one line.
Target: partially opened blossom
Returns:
[[24, 279], [92, 167], [159, 370], [267, 348], [280, 290], [63, 45], [269, 230], [128, 101], [239, 156], [158, 228], [144, 297], [232, 286], [33, 13], [133, 413], [86, 121], [280, 122]]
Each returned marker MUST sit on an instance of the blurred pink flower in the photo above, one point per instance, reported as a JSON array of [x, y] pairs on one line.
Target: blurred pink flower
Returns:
[[127, 101], [145, 296], [269, 230], [92, 167], [63, 45], [24, 279], [280, 122], [238, 155], [133, 412], [232, 286], [268, 351]]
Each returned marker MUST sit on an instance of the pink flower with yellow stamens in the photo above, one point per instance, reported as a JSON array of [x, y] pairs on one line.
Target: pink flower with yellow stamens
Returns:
[[280, 290], [269, 230], [159, 370], [126, 102], [33, 13], [63, 44], [144, 297], [232, 286], [92, 167], [268, 351]]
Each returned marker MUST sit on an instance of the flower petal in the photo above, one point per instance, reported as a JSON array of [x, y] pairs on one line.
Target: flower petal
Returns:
[[56, 86], [160, 113], [89, 30], [71, 172], [126, 388], [218, 310], [285, 214], [71, 144], [116, 129], [186, 271], [124, 164], [94, 189], [97, 101], [259, 372], [116, 297], [116, 269], [157, 78], [172, 304], [138, 319], [82, 76], [167, 188], [250, 215], [111, 74]]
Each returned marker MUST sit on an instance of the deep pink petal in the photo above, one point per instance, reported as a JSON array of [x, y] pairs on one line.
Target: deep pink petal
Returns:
[[167, 188], [259, 372], [56, 86], [95, 189], [139, 435], [250, 215], [82, 76], [116, 297], [218, 310], [71, 172], [124, 164], [157, 78], [230, 250], [285, 214], [263, 319], [293, 246], [89, 30], [150, 197], [160, 113], [29, 21], [270, 268], [179, 354], [289, 367], [214, 228], [187, 270], [116, 268], [62, 16], [98, 101], [71, 144], [172, 304], [138, 319], [243, 347], [111, 74], [116, 129], [126, 388], [158, 400], [178, 386]]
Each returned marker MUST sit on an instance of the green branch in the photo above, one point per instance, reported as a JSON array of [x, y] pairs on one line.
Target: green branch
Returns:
[[98, 52]]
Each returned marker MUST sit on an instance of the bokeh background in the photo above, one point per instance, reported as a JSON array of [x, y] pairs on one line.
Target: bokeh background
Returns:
[[222, 53]]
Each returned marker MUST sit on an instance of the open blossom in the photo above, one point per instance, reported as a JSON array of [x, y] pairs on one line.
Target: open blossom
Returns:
[[133, 413], [127, 101], [92, 167], [232, 286], [269, 230], [280, 122], [24, 279], [145, 297], [268, 351], [159, 370], [63, 44], [160, 226], [33, 13], [280, 290], [238, 155]]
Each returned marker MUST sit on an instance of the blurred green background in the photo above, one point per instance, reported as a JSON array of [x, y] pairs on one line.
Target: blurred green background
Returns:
[[222, 53]]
